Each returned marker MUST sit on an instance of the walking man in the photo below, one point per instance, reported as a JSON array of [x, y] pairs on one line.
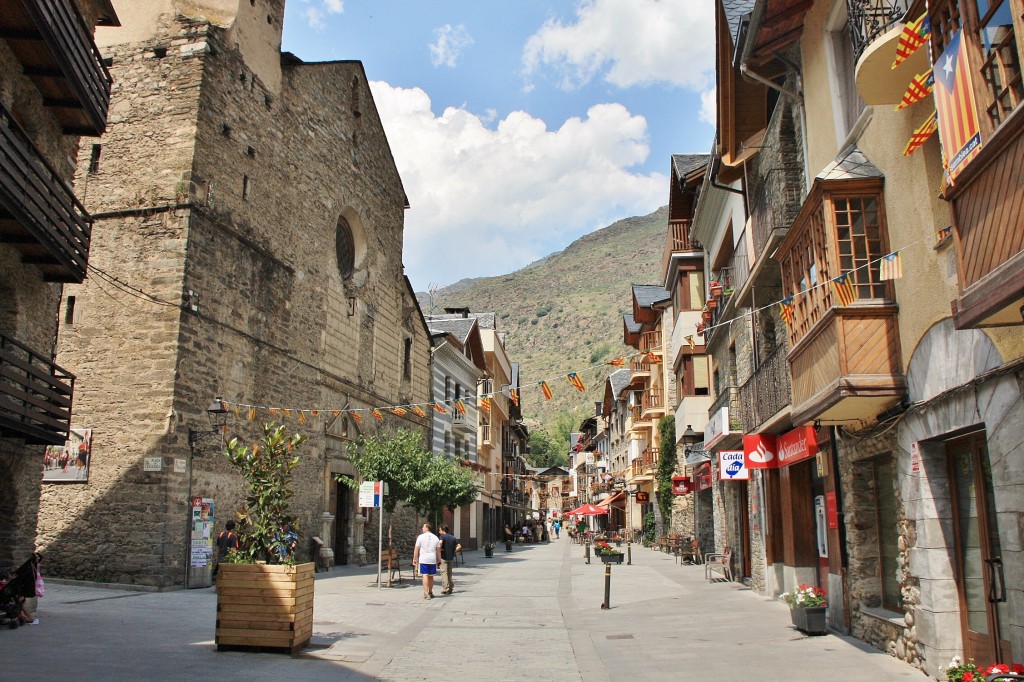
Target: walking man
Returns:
[[425, 555], [450, 547]]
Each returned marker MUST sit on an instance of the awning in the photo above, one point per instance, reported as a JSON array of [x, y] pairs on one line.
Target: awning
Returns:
[[608, 502]]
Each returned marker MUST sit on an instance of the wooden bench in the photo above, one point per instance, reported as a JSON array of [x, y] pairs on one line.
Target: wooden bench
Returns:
[[391, 562], [720, 562]]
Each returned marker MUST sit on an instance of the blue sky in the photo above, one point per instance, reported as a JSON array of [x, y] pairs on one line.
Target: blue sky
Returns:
[[518, 127]]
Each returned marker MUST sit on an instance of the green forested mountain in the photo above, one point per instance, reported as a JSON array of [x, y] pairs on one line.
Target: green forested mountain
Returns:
[[563, 313]]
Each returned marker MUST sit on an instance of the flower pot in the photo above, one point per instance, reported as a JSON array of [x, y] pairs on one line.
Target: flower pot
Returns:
[[508, 546], [810, 620], [716, 291], [488, 551], [712, 303], [264, 606], [611, 558]]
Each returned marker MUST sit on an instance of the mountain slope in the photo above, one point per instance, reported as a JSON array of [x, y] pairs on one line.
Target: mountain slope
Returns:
[[563, 313]]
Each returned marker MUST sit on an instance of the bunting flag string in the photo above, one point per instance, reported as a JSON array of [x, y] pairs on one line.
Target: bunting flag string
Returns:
[[920, 87], [618, 362], [890, 266], [921, 134], [943, 234], [844, 289], [914, 35]]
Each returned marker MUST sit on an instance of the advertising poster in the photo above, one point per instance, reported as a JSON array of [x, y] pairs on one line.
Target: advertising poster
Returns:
[[202, 532], [69, 463]]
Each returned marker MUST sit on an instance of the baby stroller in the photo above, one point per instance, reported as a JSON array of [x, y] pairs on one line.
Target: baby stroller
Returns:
[[15, 587]]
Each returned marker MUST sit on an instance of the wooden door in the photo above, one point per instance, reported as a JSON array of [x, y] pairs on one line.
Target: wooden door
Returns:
[[977, 552]]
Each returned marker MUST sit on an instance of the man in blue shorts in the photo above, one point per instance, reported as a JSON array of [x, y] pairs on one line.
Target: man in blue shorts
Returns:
[[425, 554]]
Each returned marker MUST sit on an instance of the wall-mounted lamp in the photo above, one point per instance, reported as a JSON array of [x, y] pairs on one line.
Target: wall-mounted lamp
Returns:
[[217, 413]]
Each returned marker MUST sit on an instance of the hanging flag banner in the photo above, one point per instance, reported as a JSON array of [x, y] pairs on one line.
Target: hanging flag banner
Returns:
[[921, 134], [689, 340], [357, 417], [959, 127], [546, 390], [844, 290], [890, 266], [513, 394], [914, 35], [786, 310], [618, 362], [575, 380], [920, 87], [418, 411], [377, 414]]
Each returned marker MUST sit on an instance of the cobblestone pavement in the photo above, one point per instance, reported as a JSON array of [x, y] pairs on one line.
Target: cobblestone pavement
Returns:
[[531, 614]]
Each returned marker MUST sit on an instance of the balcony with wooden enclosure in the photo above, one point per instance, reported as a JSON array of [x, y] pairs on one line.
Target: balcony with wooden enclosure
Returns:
[[39, 213], [678, 242], [639, 368], [845, 361], [35, 395], [650, 342], [645, 464], [56, 50], [653, 403], [767, 393]]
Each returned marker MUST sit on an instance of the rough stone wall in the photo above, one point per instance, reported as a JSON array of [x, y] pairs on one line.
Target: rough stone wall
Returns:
[[237, 195]]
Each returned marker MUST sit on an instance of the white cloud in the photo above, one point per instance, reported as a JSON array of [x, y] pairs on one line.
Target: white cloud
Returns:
[[449, 42], [487, 200], [318, 11], [628, 43], [708, 108]]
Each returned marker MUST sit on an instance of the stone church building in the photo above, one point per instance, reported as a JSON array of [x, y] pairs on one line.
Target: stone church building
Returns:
[[247, 244]]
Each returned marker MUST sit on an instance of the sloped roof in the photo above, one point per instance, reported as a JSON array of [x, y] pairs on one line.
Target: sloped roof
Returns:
[[850, 165], [460, 328], [632, 326], [684, 164], [734, 11], [485, 320], [649, 295], [618, 380]]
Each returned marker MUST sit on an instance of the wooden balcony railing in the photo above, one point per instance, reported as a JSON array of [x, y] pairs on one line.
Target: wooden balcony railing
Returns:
[[646, 463], [639, 365], [653, 400], [57, 51], [767, 391], [637, 413], [677, 240], [35, 395], [650, 342], [39, 213]]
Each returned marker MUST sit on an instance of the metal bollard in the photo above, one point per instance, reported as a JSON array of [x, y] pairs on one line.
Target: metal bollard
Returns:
[[629, 554], [586, 551], [607, 586]]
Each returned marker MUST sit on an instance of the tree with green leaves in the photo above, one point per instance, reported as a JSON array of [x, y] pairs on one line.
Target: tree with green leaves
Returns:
[[268, 467], [427, 482], [545, 451], [666, 467]]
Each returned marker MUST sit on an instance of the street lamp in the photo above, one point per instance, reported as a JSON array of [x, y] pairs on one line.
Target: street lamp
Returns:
[[217, 414]]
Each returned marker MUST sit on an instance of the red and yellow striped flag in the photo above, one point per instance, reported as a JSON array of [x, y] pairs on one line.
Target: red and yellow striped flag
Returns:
[[618, 362], [418, 411], [546, 390], [919, 88], [890, 266], [485, 404], [652, 359], [786, 310], [959, 126], [844, 289], [400, 411], [914, 35], [302, 417], [336, 413], [921, 135], [252, 413], [689, 340], [357, 417], [439, 407], [576, 382], [513, 393], [459, 406], [377, 415]]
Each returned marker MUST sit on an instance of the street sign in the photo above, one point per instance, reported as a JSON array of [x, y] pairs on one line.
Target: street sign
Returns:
[[371, 493]]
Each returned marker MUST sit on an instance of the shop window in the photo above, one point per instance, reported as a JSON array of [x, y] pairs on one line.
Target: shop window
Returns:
[[879, 518]]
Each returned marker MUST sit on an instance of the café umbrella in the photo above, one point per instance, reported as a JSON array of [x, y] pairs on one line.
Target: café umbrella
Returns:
[[588, 510]]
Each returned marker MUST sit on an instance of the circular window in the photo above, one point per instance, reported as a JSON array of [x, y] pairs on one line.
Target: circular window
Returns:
[[346, 246]]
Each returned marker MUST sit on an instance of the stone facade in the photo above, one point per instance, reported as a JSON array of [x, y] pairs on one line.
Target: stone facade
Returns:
[[251, 242]]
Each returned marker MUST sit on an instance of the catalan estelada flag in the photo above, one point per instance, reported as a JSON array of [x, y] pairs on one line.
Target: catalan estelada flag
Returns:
[[418, 411], [576, 382], [513, 393], [439, 407], [618, 362], [689, 340], [252, 413], [920, 87], [377, 414], [786, 310], [914, 35], [959, 128], [943, 234], [890, 266], [652, 359], [844, 289], [921, 134], [546, 390], [485, 404]]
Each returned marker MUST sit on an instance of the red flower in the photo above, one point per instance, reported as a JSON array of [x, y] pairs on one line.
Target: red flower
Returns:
[[1017, 668], [968, 677]]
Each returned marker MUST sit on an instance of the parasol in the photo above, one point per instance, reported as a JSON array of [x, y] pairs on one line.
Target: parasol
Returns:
[[588, 510]]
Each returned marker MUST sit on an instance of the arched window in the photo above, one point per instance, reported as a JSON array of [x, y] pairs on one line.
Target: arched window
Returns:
[[346, 248]]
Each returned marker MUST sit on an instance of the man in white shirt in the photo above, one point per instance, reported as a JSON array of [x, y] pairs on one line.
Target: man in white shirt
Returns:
[[425, 555]]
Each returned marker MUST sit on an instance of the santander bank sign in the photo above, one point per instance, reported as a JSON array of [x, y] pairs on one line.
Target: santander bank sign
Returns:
[[766, 451]]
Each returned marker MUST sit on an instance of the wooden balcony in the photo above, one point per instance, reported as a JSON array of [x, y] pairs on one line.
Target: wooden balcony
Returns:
[[39, 213], [56, 50], [766, 392], [650, 342], [646, 463], [988, 207], [35, 395], [653, 402], [678, 242], [639, 368]]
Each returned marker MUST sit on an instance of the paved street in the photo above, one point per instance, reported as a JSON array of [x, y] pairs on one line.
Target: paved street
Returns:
[[533, 614]]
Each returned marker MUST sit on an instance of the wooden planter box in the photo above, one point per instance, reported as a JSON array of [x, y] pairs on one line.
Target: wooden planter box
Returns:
[[810, 620], [611, 558], [264, 607]]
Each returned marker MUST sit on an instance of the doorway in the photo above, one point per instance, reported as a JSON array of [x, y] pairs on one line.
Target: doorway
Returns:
[[342, 521], [977, 552]]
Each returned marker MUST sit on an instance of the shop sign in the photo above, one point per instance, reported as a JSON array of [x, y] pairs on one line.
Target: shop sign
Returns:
[[703, 477], [797, 445], [760, 451], [681, 485], [717, 427], [831, 510], [643, 497], [731, 466]]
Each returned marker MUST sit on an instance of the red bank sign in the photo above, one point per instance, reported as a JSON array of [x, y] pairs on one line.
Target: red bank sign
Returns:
[[766, 451]]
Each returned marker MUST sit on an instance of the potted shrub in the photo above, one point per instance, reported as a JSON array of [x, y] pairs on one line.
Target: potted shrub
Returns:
[[607, 553], [959, 671], [508, 545], [716, 288], [488, 549], [712, 303], [265, 599], [807, 607]]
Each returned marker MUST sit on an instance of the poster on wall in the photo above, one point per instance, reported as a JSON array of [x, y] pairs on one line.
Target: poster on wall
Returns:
[[69, 463], [202, 532]]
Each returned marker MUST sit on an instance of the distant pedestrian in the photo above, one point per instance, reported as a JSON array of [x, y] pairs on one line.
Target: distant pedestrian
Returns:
[[450, 547], [286, 541], [425, 555], [558, 527], [227, 540]]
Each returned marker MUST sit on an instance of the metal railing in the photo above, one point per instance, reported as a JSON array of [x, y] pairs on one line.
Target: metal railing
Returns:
[[42, 202], [35, 395], [869, 19], [767, 391]]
